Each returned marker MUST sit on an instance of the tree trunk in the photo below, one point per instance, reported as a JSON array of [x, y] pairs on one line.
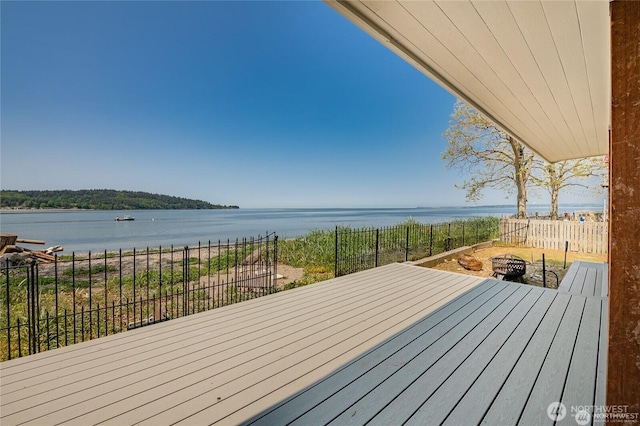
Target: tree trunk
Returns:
[[521, 176], [555, 178], [554, 202], [522, 200]]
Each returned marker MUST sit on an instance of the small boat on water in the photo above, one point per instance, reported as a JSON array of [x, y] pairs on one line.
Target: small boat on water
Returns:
[[126, 217]]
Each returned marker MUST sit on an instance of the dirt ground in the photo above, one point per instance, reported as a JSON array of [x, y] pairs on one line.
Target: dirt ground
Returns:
[[289, 274], [554, 260]]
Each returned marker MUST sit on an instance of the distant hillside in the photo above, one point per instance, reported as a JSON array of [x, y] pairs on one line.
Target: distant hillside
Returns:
[[99, 199]]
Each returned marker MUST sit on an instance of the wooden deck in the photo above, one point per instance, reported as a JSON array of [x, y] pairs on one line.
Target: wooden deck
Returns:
[[586, 278], [388, 345]]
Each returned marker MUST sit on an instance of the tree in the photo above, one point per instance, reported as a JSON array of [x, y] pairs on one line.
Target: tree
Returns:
[[556, 176], [493, 158]]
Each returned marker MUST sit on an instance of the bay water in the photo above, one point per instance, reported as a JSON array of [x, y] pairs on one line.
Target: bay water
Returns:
[[82, 231]]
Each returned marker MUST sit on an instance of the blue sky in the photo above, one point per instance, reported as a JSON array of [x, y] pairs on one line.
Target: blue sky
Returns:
[[258, 104]]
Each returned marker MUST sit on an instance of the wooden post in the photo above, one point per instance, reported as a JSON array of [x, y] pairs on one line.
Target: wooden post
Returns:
[[623, 364]]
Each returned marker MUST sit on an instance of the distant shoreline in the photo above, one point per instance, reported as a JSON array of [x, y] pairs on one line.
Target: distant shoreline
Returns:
[[100, 199], [22, 210], [16, 210]]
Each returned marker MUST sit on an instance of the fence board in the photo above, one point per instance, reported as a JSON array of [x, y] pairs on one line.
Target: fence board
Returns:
[[583, 237]]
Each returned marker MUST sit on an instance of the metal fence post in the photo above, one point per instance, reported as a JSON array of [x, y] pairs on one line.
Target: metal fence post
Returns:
[[32, 307], [8, 295], [430, 240], [406, 252], [185, 282], [377, 243], [544, 272], [275, 262], [73, 289], [335, 268]]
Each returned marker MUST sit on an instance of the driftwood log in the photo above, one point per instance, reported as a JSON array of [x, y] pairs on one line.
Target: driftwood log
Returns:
[[25, 241], [14, 255], [40, 255], [470, 263], [53, 249]]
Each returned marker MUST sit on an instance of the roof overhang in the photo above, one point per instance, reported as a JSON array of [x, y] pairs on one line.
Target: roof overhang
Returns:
[[539, 69]]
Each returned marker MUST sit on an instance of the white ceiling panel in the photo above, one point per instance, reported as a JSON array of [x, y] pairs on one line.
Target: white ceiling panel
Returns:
[[539, 69]]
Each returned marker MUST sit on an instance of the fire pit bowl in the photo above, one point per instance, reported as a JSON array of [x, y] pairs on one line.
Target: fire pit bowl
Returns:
[[508, 267]]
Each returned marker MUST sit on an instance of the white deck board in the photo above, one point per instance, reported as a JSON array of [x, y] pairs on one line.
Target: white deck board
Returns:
[[388, 345]]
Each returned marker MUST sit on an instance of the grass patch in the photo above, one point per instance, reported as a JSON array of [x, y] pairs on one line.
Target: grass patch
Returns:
[[314, 250]]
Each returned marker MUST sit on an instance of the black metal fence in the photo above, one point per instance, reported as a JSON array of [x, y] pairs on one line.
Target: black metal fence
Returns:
[[83, 297], [360, 249]]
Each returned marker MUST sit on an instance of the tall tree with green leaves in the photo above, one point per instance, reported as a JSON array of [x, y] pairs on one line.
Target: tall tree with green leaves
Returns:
[[553, 177], [492, 158]]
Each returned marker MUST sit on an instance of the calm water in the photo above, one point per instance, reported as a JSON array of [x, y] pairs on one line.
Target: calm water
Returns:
[[83, 231]]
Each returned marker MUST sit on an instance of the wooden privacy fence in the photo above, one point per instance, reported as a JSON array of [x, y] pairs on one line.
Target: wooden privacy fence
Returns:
[[584, 237]]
